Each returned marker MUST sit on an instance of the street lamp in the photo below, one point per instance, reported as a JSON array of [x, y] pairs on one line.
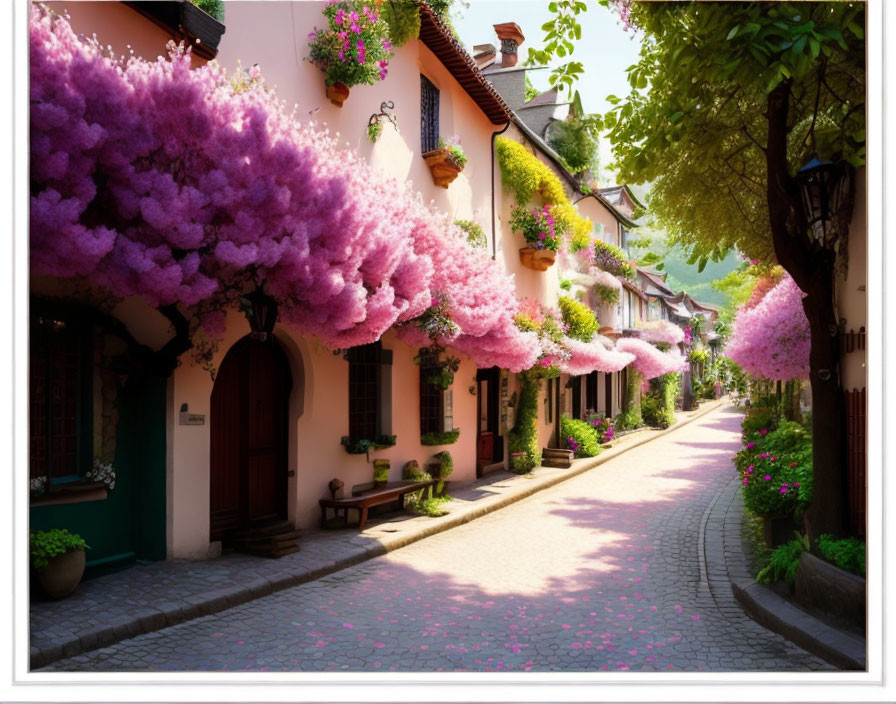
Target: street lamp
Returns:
[[826, 190], [261, 312]]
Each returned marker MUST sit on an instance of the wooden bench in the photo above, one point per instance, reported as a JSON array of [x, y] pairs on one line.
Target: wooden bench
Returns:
[[365, 498]]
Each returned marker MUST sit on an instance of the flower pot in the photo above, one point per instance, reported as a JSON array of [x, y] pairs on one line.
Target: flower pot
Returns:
[[380, 472], [537, 259], [442, 167], [62, 574], [337, 93]]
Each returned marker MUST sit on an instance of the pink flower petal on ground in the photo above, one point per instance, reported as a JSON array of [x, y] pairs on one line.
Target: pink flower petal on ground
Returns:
[[695, 617], [678, 609]]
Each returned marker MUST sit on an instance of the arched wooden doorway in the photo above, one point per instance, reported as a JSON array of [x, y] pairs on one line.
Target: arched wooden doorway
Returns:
[[249, 439]]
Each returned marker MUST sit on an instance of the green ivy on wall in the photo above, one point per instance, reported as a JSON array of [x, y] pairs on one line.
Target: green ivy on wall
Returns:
[[524, 435]]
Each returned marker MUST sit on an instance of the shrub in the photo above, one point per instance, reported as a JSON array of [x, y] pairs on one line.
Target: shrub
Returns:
[[520, 463], [758, 418], [783, 561], [575, 142], [630, 417], [580, 436], [698, 356], [658, 406], [47, 544], [776, 469], [603, 425], [847, 553], [429, 506], [579, 319]]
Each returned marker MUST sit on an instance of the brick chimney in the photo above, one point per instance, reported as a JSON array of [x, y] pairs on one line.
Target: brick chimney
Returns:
[[511, 37]]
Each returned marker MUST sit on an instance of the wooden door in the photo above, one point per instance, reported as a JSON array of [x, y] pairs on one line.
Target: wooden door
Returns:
[[490, 445], [249, 436]]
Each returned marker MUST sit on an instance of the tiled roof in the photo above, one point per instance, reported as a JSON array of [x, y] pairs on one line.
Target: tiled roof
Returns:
[[634, 288], [441, 42]]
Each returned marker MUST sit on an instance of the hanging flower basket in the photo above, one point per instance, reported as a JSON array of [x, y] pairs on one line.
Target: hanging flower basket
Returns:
[[537, 259], [338, 93], [443, 166]]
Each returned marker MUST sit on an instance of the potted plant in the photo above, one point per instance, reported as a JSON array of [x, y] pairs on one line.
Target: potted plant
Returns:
[[353, 49], [58, 559], [380, 472], [446, 161], [542, 234]]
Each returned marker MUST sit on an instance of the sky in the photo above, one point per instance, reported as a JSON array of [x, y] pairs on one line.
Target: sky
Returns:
[[605, 49]]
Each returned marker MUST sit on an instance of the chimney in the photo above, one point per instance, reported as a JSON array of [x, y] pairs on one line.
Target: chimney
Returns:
[[511, 37]]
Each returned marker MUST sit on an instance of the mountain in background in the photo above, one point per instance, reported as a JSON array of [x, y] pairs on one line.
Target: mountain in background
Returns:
[[681, 276]]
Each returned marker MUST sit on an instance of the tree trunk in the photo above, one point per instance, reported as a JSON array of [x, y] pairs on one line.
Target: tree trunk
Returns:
[[825, 515], [812, 268]]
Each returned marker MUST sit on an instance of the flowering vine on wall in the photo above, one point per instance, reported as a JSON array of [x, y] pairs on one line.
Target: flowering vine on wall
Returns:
[[187, 189]]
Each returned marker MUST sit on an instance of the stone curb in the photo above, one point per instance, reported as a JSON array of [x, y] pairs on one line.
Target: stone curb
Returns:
[[842, 650], [173, 613], [727, 562]]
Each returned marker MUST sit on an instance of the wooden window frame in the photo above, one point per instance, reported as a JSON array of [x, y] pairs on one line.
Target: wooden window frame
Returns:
[[369, 391], [432, 398], [77, 337]]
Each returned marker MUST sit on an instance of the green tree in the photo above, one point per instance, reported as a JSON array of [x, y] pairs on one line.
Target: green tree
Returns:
[[727, 102]]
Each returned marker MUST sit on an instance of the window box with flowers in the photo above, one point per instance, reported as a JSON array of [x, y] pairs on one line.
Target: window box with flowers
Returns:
[[542, 234], [445, 162], [352, 50]]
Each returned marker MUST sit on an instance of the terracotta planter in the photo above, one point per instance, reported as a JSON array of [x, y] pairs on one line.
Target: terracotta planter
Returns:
[[434, 469], [537, 259], [62, 574], [442, 167], [337, 93]]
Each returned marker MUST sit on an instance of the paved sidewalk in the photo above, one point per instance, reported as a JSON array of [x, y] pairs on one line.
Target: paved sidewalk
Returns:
[[150, 597]]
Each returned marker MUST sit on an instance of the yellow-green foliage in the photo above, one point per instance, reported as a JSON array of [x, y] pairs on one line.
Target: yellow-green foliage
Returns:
[[578, 318], [525, 174]]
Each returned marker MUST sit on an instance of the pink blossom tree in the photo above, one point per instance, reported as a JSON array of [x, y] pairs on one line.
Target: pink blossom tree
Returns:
[[190, 190], [771, 338], [662, 332], [649, 361]]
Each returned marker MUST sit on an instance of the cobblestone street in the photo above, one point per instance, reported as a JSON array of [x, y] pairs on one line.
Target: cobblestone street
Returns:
[[606, 571]]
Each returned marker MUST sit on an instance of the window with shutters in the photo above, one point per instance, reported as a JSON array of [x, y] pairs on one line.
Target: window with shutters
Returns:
[[60, 397], [429, 115]]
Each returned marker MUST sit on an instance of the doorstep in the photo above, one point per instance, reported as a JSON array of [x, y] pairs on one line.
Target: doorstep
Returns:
[[153, 596]]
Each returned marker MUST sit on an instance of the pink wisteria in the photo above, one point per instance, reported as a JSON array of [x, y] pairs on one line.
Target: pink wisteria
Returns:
[[771, 338], [650, 361], [662, 332], [184, 187]]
